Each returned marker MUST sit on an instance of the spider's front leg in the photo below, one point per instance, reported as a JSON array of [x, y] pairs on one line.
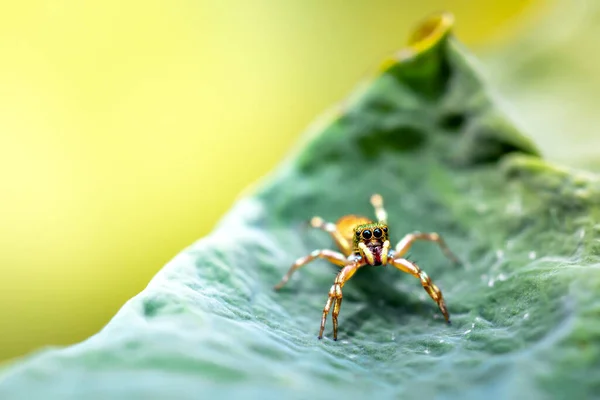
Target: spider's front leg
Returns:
[[434, 292], [407, 241], [332, 256], [335, 297]]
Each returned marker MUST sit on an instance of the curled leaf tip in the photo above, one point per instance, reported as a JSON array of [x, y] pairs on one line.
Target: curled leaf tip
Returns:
[[429, 32]]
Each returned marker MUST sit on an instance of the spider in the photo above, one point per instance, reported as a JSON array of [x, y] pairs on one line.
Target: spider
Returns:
[[365, 242]]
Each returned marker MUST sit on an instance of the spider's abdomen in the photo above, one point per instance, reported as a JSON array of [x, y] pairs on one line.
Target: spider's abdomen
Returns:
[[346, 224]]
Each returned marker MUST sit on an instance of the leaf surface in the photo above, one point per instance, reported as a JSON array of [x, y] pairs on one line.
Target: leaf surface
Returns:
[[427, 134]]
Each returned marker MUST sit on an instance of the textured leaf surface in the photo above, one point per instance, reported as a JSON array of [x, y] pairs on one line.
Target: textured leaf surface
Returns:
[[427, 135]]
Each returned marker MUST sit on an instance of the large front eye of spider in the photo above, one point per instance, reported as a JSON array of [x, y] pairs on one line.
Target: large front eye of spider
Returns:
[[377, 232], [366, 234]]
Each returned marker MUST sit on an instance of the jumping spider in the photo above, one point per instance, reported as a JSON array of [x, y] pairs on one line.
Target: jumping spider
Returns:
[[364, 242]]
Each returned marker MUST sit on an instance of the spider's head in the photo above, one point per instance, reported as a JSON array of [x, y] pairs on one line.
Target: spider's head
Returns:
[[371, 242]]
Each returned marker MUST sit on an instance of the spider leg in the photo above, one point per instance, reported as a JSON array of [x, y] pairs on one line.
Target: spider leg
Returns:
[[436, 294], [380, 213], [335, 297], [407, 241], [332, 256], [331, 228]]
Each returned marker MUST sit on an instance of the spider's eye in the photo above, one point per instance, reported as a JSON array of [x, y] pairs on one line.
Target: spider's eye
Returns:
[[358, 233], [377, 232], [385, 229], [367, 234]]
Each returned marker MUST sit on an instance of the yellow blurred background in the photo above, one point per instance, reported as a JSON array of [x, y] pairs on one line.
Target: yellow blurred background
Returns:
[[128, 128]]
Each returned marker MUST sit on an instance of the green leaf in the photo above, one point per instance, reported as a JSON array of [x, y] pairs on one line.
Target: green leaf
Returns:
[[428, 136]]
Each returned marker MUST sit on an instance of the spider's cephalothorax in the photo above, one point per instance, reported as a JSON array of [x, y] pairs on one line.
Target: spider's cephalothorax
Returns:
[[364, 242], [371, 242]]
